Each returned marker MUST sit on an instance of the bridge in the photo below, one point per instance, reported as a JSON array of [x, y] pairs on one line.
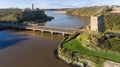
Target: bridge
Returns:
[[63, 31]]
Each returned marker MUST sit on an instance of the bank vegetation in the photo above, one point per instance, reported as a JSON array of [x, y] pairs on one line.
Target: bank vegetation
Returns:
[[22, 15], [112, 23], [93, 49]]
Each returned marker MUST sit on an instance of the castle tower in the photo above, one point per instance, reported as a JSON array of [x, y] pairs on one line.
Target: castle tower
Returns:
[[97, 23], [32, 6]]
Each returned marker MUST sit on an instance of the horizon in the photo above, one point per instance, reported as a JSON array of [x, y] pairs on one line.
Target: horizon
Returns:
[[57, 8], [46, 4]]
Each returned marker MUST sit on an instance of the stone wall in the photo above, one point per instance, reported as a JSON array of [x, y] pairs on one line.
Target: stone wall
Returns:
[[97, 23]]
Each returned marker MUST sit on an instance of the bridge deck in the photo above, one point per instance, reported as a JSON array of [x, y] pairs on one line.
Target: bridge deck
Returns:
[[43, 28]]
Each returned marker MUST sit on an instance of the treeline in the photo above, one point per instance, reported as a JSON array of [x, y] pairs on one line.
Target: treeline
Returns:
[[9, 15], [29, 15], [89, 11], [19, 15]]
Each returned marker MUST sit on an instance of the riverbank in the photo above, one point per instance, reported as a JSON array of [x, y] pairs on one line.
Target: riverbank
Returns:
[[62, 11], [70, 57], [17, 15], [89, 11], [110, 18], [77, 52]]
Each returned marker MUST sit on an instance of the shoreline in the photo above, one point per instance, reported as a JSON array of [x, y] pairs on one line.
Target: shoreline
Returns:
[[68, 61], [80, 60], [63, 12]]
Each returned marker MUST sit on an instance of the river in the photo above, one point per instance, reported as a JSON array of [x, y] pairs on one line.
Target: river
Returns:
[[65, 20], [33, 49]]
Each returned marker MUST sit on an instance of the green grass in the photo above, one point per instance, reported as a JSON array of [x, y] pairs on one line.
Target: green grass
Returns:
[[75, 46]]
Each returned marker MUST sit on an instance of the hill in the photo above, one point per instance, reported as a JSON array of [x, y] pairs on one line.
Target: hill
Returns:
[[89, 11], [9, 15], [18, 15], [112, 23]]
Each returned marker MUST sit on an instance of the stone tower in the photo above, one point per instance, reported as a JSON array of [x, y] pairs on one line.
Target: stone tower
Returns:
[[32, 6], [97, 23]]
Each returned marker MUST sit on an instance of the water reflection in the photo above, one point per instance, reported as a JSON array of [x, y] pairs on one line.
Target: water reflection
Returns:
[[7, 39], [46, 35], [33, 50], [66, 21]]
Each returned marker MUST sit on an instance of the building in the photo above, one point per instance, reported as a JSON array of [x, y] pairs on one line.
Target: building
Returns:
[[97, 23]]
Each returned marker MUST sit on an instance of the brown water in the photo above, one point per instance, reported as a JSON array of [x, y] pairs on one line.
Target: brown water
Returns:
[[30, 49], [25, 49]]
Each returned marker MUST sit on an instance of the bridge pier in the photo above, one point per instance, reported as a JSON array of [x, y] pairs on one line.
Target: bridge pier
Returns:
[[42, 33], [63, 34], [52, 35], [33, 30]]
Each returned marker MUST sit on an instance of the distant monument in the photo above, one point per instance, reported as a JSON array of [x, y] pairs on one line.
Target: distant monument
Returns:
[[32, 6], [97, 23]]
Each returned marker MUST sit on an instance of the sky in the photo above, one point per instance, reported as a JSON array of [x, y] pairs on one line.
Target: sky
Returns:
[[55, 3]]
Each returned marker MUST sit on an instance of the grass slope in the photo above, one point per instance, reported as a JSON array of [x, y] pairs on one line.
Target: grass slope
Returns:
[[75, 46]]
